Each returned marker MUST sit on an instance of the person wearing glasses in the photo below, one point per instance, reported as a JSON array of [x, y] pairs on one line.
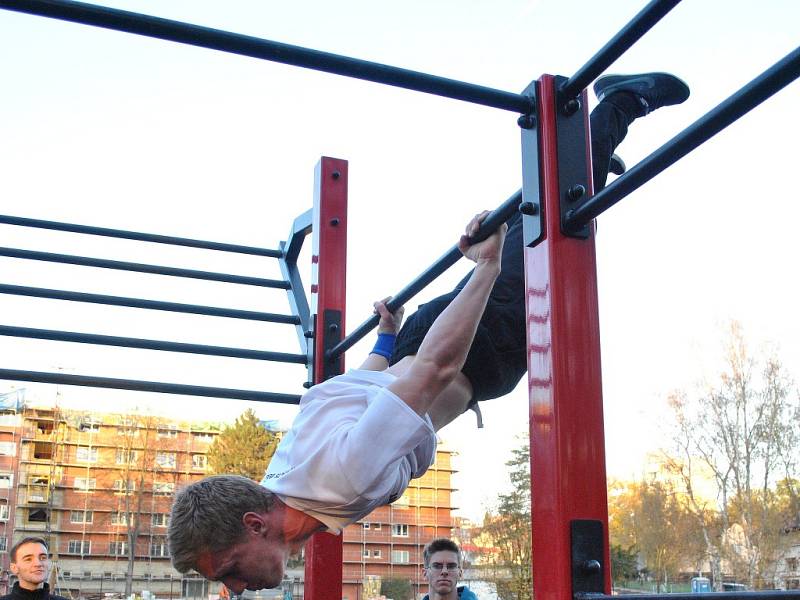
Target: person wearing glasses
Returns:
[[442, 566]]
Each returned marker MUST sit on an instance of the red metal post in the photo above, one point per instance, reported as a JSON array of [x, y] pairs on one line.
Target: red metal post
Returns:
[[323, 552], [566, 413]]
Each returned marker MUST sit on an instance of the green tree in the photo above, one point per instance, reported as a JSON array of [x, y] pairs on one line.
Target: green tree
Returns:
[[244, 448], [509, 531], [623, 563], [397, 589]]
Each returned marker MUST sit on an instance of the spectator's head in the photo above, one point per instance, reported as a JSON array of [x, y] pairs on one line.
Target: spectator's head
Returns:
[[442, 560], [30, 562], [222, 527]]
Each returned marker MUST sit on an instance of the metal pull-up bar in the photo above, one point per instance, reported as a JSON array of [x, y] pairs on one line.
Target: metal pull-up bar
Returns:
[[496, 218], [215, 39]]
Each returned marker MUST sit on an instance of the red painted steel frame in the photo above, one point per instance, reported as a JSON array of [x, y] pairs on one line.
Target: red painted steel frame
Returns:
[[566, 413], [323, 573]]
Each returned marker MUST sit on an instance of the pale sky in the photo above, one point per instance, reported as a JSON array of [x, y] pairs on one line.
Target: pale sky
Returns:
[[114, 130]]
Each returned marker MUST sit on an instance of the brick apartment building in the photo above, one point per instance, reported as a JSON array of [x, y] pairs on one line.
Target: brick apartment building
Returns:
[[388, 544], [75, 479]]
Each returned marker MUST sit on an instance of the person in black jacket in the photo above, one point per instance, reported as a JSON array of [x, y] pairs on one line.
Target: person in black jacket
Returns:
[[30, 562]]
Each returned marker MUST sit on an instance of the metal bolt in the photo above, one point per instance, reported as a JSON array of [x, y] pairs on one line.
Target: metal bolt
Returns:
[[527, 121], [336, 174], [572, 106], [576, 192], [333, 327], [592, 566], [529, 208], [308, 333], [334, 221], [307, 384]]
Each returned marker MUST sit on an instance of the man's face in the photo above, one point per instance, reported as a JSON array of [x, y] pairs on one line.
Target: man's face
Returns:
[[31, 566], [255, 563], [443, 572]]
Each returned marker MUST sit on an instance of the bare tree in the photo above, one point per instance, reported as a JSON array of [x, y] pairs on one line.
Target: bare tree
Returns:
[[739, 429]]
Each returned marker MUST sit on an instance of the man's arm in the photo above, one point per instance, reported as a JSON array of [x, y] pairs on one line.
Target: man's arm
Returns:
[[390, 325], [444, 349]]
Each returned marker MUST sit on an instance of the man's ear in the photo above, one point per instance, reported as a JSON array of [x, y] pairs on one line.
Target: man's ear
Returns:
[[14, 568], [254, 523]]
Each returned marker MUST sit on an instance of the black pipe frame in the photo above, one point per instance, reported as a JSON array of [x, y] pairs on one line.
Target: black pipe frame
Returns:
[[212, 311], [138, 236], [215, 39], [147, 386], [743, 101], [496, 218], [118, 265], [139, 343]]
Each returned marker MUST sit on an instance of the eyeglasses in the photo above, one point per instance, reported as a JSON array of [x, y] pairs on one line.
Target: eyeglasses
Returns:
[[437, 566]]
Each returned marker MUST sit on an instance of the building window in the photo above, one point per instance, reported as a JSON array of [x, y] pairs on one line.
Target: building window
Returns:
[[8, 448], [365, 525], [376, 526], [127, 427], [118, 548], [122, 486], [199, 462], [86, 454], [119, 518], [79, 547], [38, 515], [4, 512], [160, 520], [366, 553], [400, 529], [791, 563], [167, 431], [376, 554], [85, 484], [126, 457], [163, 488], [202, 436], [81, 516], [159, 548], [3, 544], [166, 460], [400, 557], [5, 480]]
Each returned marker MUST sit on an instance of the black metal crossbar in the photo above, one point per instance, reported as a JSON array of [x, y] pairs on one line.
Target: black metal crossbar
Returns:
[[756, 595], [212, 311], [215, 39], [497, 217], [139, 236], [127, 342], [751, 95], [147, 386], [142, 268], [616, 47]]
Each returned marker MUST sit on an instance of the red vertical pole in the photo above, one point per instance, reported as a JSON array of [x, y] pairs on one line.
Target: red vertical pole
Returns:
[[568, 475], [323, 552]]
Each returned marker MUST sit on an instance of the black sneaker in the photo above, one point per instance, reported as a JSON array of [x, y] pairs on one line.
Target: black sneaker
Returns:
[[652, 90]]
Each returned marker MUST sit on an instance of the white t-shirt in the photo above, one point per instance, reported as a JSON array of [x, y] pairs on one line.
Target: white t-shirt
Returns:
[[353, 447]]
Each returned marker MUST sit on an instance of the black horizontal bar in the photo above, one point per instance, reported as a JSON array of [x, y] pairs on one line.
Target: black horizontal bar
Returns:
[[754, 595], [215, 39], [212, 311], [751, 95], [142, 268], [616, 47], [497, 217], [147, 386], [135, 235], [126, 342]]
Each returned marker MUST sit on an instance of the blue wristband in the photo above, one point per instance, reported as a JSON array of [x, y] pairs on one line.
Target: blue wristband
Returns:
[[384, 345]]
